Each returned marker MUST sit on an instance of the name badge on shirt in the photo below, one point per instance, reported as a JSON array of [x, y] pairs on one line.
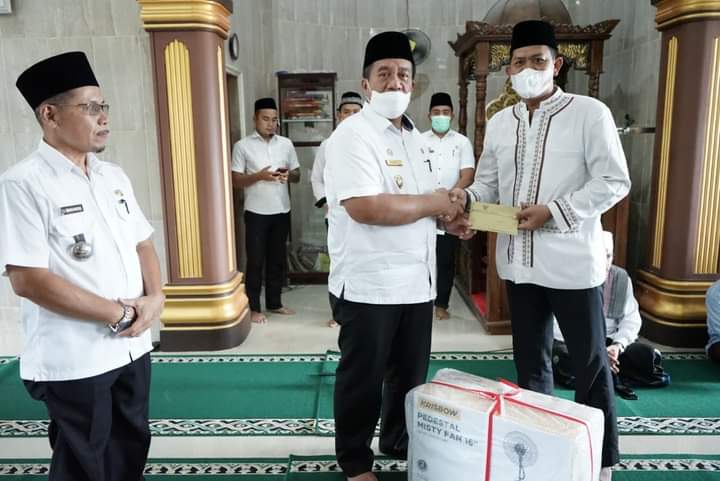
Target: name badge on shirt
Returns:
[[71, 209], [394, 162]]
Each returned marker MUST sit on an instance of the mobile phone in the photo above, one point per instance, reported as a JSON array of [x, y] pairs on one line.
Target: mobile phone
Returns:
[[281, 170]]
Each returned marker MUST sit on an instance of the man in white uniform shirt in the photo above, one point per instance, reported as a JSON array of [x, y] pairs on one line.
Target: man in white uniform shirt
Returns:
[[558, 156], [455, 163], [381, 190], [350, 103], [263, 163], [77, 250]]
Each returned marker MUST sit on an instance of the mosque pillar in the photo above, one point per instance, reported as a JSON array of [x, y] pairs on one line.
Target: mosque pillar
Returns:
[[206, 307], [683, 257]]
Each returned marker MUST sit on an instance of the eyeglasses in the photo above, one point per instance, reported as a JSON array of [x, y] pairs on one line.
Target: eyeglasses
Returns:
[[90, 108]]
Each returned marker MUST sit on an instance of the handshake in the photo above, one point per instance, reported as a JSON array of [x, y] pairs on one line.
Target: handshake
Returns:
[[449, 208]]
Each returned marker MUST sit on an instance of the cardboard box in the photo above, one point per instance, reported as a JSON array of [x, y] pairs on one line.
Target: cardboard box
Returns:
[[468, 428]]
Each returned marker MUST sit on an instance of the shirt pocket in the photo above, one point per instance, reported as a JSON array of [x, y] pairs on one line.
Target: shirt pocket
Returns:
[[66, 230]]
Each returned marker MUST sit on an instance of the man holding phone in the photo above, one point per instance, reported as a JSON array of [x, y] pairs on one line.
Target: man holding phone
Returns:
[[263, 163]]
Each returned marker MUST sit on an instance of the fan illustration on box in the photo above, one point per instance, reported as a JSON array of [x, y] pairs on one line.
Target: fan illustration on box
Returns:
[[521, 451]]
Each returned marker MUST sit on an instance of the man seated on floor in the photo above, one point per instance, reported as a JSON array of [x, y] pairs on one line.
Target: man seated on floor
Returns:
[[632, 363], [712, 301]]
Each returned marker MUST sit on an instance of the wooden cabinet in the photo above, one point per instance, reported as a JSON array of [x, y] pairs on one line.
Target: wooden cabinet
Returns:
[[306, 103]]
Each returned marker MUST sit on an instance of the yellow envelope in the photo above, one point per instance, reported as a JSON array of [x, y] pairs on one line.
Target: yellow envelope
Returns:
[[494, 218]]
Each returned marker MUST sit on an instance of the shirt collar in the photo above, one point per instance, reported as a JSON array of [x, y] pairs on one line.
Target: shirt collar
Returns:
[[450, 133], [380, 123], [557, 94], [60, 164], [257, 135]]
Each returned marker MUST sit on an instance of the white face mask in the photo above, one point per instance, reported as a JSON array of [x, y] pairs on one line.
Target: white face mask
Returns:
[[391, 104], [531, 83]]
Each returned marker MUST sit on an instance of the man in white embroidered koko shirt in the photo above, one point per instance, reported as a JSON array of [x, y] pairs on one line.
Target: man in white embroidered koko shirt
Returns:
[[558, 156], [77, 250]]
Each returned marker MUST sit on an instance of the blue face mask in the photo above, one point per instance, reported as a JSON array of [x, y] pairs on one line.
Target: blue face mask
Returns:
[[440, 123]]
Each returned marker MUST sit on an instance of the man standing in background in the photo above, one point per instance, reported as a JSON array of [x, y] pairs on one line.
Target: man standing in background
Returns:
[[263, 163], [454, 161], [350, 103]]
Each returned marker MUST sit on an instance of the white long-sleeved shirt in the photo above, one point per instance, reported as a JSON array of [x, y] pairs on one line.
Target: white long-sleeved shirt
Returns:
[[570, 159]]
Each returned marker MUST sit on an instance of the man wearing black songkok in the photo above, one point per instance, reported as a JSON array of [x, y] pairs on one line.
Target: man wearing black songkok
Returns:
[[77, 248], [558, 157], [383, 208], [263, 163]]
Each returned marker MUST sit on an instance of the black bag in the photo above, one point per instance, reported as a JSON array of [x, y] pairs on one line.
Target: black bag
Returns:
[[641, 366]]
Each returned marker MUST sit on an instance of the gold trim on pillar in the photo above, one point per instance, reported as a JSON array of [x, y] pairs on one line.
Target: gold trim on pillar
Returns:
[[227, 180], [185, 15], [676, 286], [670, 12], [182, 143], [205, 305], [179, 290], [665, 152], [708, 234], [675, 325], [670, 305]]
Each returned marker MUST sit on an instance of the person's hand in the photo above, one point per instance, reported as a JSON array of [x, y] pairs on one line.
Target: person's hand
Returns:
[[267, 175], [449, 210], [533, 216], [460, 227], [282, 175], [458, 195], [147, 309], [613, 351]]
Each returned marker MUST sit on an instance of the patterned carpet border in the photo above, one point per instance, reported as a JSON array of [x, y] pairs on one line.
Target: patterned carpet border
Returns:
[[335, 357], [322, 465], [326, 427]]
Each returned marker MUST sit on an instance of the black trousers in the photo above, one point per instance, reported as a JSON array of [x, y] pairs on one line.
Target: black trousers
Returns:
[[98, 425], [266, 247], [384, 352], [445, 250], [580, 317]]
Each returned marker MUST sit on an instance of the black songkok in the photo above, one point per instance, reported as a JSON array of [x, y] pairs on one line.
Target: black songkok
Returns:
[[533, 32], [388, 45], [441, 98], [55, 75], [265, 103], [350, 98]]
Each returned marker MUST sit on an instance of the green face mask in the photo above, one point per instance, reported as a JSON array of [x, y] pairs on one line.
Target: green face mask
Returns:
[[440, 123]]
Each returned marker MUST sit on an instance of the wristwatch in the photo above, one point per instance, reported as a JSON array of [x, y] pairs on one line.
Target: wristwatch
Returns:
[[125, 321], [468, 202]]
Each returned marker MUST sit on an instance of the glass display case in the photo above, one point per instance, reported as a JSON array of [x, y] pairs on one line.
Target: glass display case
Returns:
[[307, 117], [307, 107]]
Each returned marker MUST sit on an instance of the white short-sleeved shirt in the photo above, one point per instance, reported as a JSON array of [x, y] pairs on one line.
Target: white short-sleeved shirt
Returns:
[[367, 156], [451, 153], [252, 154], [316, 177], [46, 200]]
